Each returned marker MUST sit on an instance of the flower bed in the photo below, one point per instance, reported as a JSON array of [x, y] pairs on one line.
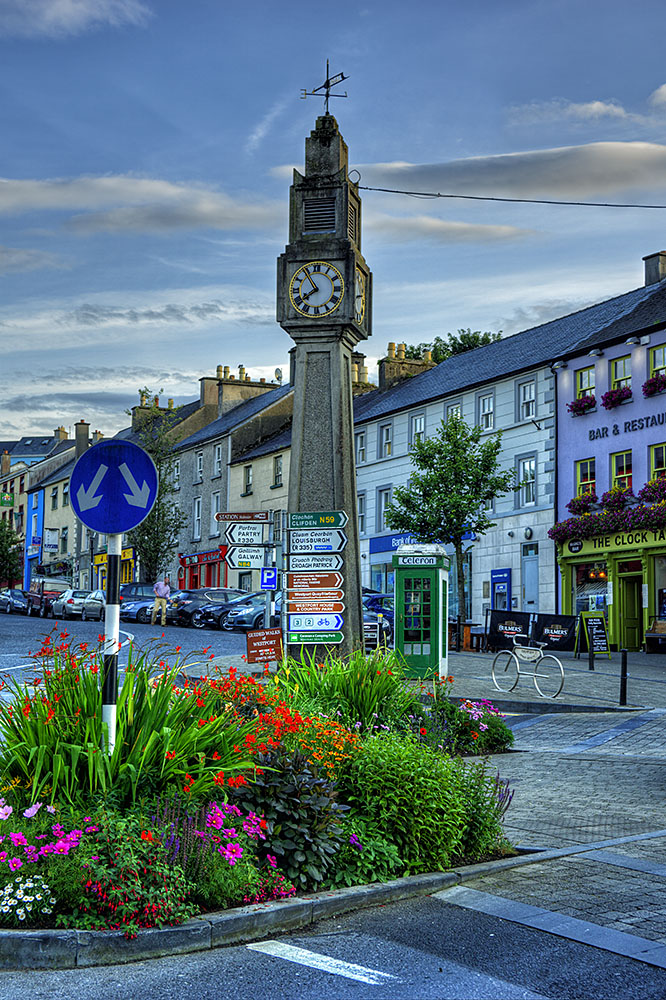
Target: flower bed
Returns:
[[232, 790]]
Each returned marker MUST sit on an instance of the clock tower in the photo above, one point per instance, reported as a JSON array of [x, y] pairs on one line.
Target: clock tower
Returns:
[[324, 302]]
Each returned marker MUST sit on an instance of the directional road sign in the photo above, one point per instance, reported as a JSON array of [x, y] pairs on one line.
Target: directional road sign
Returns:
[[243, 515], [318, 519], [314, 562], [315, 595], [317, 540], [245, 557], [329, 638], [314, 607], [268, 578], [305, 581], [113, 487], [244, 534], [306, 623]]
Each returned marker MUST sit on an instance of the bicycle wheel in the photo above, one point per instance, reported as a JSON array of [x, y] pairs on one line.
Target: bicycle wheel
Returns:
[[548, 676], [505, 671]]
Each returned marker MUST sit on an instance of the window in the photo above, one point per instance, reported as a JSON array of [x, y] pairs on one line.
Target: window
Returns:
[[217, 460], [527, 480], [247, 480], [383, 500], [384, 440], [585, 382], [214, 509], [658, 461], [361, 513], [176, 474], [454, 410], [586, 477], [65, 494], [64, 532], [196, 518], [277, 470], [22, 484], [621, 469], [416, 427], [487, 412], [621, 373], [277, 526], [35, 501], [658, 361], [360, 447], [527, 400], [54, 498], [199, 466]]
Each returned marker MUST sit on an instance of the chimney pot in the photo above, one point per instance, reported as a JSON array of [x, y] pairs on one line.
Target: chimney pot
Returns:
[[262, 379], [401, 352], [142, 399], [427, 355], [391, 350], [156, 400], [170, 404], [226, 371], [219, 371]]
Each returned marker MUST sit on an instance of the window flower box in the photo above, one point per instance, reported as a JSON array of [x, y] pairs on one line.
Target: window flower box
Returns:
[[617, 498], [577, 407], [615, 397], [654, 385], [582, 504]]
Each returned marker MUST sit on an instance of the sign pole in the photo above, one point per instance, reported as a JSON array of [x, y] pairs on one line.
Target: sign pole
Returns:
[[111, 640]]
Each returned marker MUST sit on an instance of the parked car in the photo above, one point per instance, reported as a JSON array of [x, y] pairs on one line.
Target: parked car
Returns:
[[94, 606], [13, 602], [69, 604], [43, 591], [248, 612], [137, 609], [370, 622], [186, 602], [382, 604], [212, 615], [136, 591]]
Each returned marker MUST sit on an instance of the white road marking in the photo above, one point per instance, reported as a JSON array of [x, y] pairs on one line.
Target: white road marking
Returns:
[[333, 965]]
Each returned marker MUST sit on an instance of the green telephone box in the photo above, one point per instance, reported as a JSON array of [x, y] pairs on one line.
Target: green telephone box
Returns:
[[422, 608]]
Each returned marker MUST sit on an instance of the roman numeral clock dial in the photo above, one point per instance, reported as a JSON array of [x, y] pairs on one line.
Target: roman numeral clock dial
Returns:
[[316, 289]]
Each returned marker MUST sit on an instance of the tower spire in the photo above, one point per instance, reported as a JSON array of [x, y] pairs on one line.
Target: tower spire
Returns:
[[326, 86]]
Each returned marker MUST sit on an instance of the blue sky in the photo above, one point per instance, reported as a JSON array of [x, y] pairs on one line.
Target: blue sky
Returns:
[[146, 156]]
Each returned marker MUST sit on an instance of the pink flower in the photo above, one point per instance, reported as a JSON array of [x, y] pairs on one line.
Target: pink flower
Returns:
[[32, 810], [50, 809], [5, 812], [232, 852], [17, 839], [15, 863], [271, 860]]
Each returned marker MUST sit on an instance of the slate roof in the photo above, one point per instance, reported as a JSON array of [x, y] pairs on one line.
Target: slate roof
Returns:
[[275, 443], [232, 418], [62, 472], [634, 311], [7, 446]]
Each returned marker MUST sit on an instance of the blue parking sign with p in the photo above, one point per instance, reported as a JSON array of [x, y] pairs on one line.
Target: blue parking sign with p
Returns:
[[268, 578]]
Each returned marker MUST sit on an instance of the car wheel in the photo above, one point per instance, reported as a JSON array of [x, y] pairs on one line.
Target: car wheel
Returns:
[[197, 619], [258, 621], [101, 615], [84, 616], [8, 608], [42, 611], [142, 616], [29, 611]]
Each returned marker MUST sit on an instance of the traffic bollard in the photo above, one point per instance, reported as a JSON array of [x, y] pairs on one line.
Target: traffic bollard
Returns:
[[623, 678]]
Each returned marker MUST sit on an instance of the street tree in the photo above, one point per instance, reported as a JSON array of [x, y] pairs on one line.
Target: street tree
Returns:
[[456, 476], [156, 539], [464, 340], [10, 557]]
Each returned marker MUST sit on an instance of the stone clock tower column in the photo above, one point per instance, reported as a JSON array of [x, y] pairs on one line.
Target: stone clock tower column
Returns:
[[324, 302]]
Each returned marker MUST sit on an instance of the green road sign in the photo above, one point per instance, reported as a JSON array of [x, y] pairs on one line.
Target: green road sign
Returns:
[[318, 519], [324, 638]]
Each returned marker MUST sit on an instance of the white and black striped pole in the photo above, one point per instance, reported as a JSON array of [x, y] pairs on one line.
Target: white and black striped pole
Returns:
[[111, 640]]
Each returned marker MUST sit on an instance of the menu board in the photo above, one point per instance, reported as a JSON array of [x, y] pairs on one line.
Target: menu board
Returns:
[[596, 632]]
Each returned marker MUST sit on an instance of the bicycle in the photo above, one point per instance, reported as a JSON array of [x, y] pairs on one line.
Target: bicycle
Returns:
[[548, 674]]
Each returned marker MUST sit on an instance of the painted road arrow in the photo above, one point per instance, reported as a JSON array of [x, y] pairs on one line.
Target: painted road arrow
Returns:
[[328, 638], [314, 607], [328, 540], [307, 623], [314, 562], [245, 557], [305, 581], [244, 534], [318, 519]]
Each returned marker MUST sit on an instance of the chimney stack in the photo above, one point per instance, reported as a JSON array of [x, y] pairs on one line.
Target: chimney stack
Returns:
[[97, 437], [655, 267], [6, 463], [81, 438]]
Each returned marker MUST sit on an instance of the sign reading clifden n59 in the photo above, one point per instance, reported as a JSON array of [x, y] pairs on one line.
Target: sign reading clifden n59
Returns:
[[318, 519]]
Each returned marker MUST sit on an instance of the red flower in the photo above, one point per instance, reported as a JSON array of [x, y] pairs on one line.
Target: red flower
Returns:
[[170, 754], [475, 736], [422, 731], [147, 835]]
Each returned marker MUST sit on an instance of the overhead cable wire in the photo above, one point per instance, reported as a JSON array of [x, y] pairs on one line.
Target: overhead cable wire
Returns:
[[524, 201]]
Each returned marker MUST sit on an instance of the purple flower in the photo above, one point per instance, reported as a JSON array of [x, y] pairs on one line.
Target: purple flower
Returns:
[[32, 810], [5, 812]]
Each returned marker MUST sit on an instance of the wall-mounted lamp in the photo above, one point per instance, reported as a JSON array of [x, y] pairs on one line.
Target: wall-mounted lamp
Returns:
[[510, 534], [528, 533], [595, 353], [557, 365], [632, 340]]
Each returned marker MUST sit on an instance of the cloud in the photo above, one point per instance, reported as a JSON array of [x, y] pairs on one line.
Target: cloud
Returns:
[[441, 231], [260, 131], [658, 97], [100, 316], [591, 170], [60, 18], [539, 112], [14, 260], [123, 203]]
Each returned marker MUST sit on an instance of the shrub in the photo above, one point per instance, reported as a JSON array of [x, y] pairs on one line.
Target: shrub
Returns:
[[468, 727], [366, 855], [326, 744], [486, 800], [301, 813], [582, 503]]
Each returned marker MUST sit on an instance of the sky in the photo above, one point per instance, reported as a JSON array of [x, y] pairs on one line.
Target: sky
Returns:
[[147, 151]]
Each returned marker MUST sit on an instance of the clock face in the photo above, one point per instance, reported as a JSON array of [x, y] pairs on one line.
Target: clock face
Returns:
[[359, 296], [316, 289]]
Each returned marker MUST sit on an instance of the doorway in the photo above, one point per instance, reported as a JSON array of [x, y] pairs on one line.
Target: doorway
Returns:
[[530, 577], [631, 612]]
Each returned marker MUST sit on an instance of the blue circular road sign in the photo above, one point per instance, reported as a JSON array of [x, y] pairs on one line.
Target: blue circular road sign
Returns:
[[113, 486]]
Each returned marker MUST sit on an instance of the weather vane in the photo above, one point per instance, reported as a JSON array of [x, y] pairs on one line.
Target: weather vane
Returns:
[[327, 85]]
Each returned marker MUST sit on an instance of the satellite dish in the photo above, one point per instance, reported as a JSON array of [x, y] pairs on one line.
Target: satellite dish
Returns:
[[278, 375]]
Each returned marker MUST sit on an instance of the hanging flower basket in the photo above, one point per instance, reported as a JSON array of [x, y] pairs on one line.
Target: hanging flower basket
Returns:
[[581, 405], [654, 385], [617, 498], [615, 397], [582, 504], [653, 492]]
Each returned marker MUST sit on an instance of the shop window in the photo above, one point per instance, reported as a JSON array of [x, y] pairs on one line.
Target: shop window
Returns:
[[360, 447], [590, 587], [621, 373], [585, 382], [630, 566], [586, 476], [658, 461], [660, 585], [658, 361], [245, 581], [621, 469]]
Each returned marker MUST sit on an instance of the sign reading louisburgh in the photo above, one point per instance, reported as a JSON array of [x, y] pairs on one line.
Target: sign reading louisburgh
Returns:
[[316, 541], [113, 487]]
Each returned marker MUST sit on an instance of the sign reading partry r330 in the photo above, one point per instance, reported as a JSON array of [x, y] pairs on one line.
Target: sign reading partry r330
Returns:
[[113, 487]]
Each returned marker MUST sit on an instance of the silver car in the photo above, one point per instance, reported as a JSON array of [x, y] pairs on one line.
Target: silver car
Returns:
[[69, 604], [94, 606]]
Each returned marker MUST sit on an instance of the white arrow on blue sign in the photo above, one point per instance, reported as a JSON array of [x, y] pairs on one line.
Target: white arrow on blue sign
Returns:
[[113, 487]]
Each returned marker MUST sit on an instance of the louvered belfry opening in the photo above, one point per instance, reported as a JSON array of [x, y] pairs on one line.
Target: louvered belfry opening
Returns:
[[319, 215]]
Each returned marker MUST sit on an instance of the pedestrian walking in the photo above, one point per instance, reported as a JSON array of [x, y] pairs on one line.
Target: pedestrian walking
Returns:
[[162, 592]]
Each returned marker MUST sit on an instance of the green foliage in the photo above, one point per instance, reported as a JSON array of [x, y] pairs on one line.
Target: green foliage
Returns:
[[363, 692], [302, 815], [486, 798], [10, 558], [366, 855], [465, 340], [467, 727], [456, 474], [156, 538]]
